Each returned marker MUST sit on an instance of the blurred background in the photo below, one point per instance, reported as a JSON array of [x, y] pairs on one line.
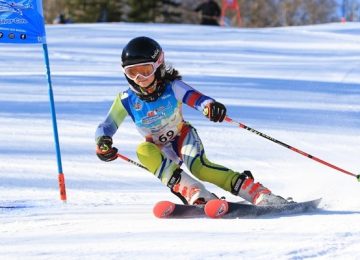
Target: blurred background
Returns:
[[239, 13]]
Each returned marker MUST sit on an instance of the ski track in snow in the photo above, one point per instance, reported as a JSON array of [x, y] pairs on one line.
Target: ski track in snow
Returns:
[[300, 85]]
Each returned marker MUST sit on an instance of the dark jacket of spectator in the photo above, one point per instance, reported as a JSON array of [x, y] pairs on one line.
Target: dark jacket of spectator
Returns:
[[210, 12]]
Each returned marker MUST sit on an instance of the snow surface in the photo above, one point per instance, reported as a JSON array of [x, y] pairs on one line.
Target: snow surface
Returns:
[[300, 85]]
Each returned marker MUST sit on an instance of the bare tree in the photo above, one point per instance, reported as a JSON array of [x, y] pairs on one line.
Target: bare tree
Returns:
[[254, 13], [53, 8], [258, 13], [351, 10]]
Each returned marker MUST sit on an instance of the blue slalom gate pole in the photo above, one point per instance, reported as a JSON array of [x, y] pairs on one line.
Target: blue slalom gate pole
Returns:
[[23, 23], [61, 176]]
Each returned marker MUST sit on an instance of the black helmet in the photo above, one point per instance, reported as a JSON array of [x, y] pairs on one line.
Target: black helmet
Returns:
[[140, 50]]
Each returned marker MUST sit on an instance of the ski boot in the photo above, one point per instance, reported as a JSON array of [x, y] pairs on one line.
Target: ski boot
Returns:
[[255, 192], [189, 190]]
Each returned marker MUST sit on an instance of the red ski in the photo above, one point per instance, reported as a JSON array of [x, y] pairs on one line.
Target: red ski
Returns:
[[168, 209], [223, 209]]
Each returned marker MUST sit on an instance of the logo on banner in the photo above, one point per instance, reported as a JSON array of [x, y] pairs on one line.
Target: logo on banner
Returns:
[[12, 7], [21, 21]]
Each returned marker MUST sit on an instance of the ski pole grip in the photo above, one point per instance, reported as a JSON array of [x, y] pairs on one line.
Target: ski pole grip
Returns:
[[358, 177]]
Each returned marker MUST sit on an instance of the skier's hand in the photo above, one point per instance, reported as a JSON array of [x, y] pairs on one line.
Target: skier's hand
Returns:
[[104, 149], [215, 111]]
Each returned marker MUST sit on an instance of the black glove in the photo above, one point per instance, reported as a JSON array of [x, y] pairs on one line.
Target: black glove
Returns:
[[104, 149], [215, 111]]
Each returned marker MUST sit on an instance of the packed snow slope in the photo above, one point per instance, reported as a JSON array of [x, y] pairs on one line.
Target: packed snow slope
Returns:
[[300, 85]]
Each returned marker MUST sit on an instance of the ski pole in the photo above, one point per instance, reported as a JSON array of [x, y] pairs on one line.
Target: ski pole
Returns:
[[131, 161], [229, 120]]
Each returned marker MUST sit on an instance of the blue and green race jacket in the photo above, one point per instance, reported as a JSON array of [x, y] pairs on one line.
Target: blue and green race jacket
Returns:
[[158, 121]]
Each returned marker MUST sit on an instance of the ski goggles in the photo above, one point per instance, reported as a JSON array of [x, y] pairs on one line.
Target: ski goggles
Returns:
[[143, 70]]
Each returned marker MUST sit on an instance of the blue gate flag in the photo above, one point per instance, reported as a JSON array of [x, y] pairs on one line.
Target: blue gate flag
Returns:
[[22, 21]]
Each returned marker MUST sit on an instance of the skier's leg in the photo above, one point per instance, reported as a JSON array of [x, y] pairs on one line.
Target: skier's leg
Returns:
[[191, 151], [189, 190], [254, 192], [155, 161]]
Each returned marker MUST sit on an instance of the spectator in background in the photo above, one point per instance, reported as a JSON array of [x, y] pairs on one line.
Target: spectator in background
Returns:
[[210, 12], [103, 15], [61, 19]]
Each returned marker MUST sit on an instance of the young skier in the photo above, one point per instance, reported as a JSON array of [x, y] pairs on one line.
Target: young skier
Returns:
[[154, 102]]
